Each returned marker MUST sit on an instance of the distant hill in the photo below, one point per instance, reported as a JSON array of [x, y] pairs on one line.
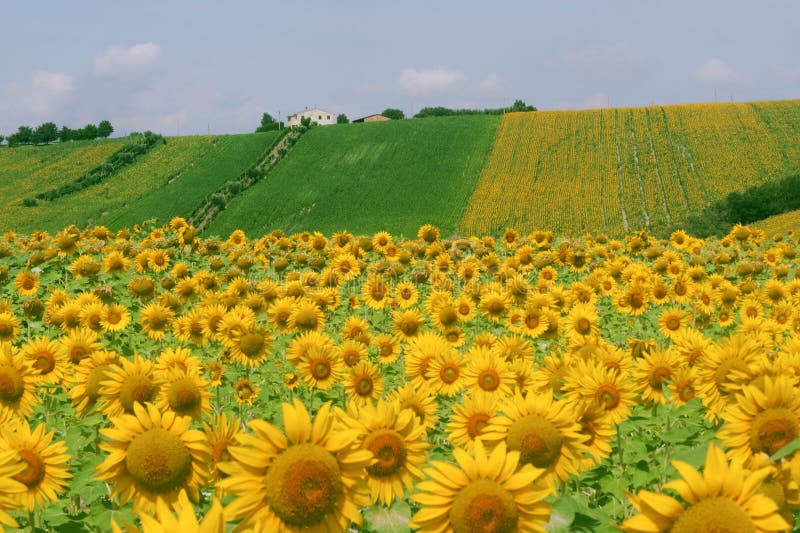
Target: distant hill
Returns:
[[603, 171]]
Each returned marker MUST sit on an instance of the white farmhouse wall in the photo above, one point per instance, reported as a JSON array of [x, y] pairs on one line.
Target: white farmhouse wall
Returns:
[[319, 116]]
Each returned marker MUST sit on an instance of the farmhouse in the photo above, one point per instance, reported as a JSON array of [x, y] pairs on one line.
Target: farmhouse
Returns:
[[320, 116], [372, 118]]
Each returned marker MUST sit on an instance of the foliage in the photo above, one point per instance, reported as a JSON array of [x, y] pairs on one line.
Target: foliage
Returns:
[[754, 204], [341, 118], [518, 106], [48, 132], [393, 113], [268, 123], [368, 177]]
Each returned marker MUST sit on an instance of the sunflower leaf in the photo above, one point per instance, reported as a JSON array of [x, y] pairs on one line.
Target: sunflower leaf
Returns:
[[562, 515], [789, 449], [393, 519]]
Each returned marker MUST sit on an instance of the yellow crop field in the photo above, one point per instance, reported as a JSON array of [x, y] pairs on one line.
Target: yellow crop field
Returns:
[[627, 169], [779, 224]]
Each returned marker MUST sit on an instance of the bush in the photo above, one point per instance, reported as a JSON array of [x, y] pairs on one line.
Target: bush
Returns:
[[29, 202], [218, 199]]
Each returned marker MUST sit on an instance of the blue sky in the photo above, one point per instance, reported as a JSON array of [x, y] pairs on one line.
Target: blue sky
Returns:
[[191, 67]]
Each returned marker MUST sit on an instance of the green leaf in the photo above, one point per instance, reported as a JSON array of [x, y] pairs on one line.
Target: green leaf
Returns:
[[392, 519], [561, 516], [695, 456], [786, 450]]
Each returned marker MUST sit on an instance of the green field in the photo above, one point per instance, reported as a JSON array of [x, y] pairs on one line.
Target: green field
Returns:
[[368, 177]]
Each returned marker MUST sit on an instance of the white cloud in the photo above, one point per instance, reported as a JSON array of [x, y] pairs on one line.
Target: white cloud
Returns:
[[126, 61], [52, 82], [717, 72], [418, 82], [621, 55], [493, 83]]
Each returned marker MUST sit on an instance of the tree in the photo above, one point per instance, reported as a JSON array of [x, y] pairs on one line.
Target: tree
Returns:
[[341, 118], [24, 135], [45, 133], [519, 105], [267, 123], [2, 138], [394, 114], [104, 129], [67, 134], [89, 132]]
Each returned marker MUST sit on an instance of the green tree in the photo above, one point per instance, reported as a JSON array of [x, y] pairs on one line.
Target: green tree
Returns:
[[104, 129], [394, 114], [2, 138], [45, 133], [341, 118], [519, 105], [268, 123]]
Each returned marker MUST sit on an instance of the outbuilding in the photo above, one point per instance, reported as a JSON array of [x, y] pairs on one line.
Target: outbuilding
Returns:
[[372, 118]]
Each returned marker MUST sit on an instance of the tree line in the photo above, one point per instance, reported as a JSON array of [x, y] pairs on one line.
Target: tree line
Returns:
[[48, 132]]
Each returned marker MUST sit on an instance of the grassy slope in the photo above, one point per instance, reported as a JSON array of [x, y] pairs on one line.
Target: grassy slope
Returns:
[[229, 157], [614, 170], [27, 170], [368, 177]]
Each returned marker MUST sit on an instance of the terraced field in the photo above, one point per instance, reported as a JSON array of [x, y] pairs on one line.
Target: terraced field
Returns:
[[368, 177], [619, 170]]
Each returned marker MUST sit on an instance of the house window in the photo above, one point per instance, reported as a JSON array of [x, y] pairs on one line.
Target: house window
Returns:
[[319, 117], [329, 117]]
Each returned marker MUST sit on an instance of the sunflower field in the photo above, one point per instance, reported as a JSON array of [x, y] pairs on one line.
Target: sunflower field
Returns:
[[621, 170], [152, 380]]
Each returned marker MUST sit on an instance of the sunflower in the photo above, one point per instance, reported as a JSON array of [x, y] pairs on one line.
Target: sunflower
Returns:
[[445, 372], [388, 348], [351, 352], [550, 376], [246, 391], [632, 300], [487, 372], [182, 519], [301, 345], [127, 384], [251, 346], [398, 443], [10, 467], [485, 492], [375, 292], [653, 370], [91, 316], [306, 316], [87, 378], [153, 457], [46, 359], [495, 305], [544, 431], [115, 317], [178, 359], [420, 400], [691, 345], [158, 260], [9, 327], [683, 385], [762, 419], [115, 262], [320, 368], [724, 498], [534, 321], [364, 383], [671, 321], [46, 472], [355, 328], [408, 323], [309, 476], [405, 294], [26, 283], [581, 322], [724, 370], [221, 433], [280, 312], [598, 427], [591, 384], [17, 383], [470, 417], [428, 233], [183, 392], [155, 320]]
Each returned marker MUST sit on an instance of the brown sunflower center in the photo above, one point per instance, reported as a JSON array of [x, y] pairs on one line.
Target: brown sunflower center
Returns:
[[96, 376], [219, 451], [11, 385], [363, 385], [184, 396], [714, 515], [449, 373], [489, 380], [448, 316], [773, 429], [532, 320], [673, 323], [34, 469], [251, 344], [537, 440], [78, 352], [658, 376], [608, 397], [306, 319], [320, 369], [389, 449], [44, 362], [484, 506], [136, 388], [583, 326], [304, 485], [158, 461], [476, 423]]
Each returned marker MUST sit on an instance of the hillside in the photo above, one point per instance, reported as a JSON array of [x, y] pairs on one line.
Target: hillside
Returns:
[[783, 223], [367, 177], [170, 180], [619, 170]]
